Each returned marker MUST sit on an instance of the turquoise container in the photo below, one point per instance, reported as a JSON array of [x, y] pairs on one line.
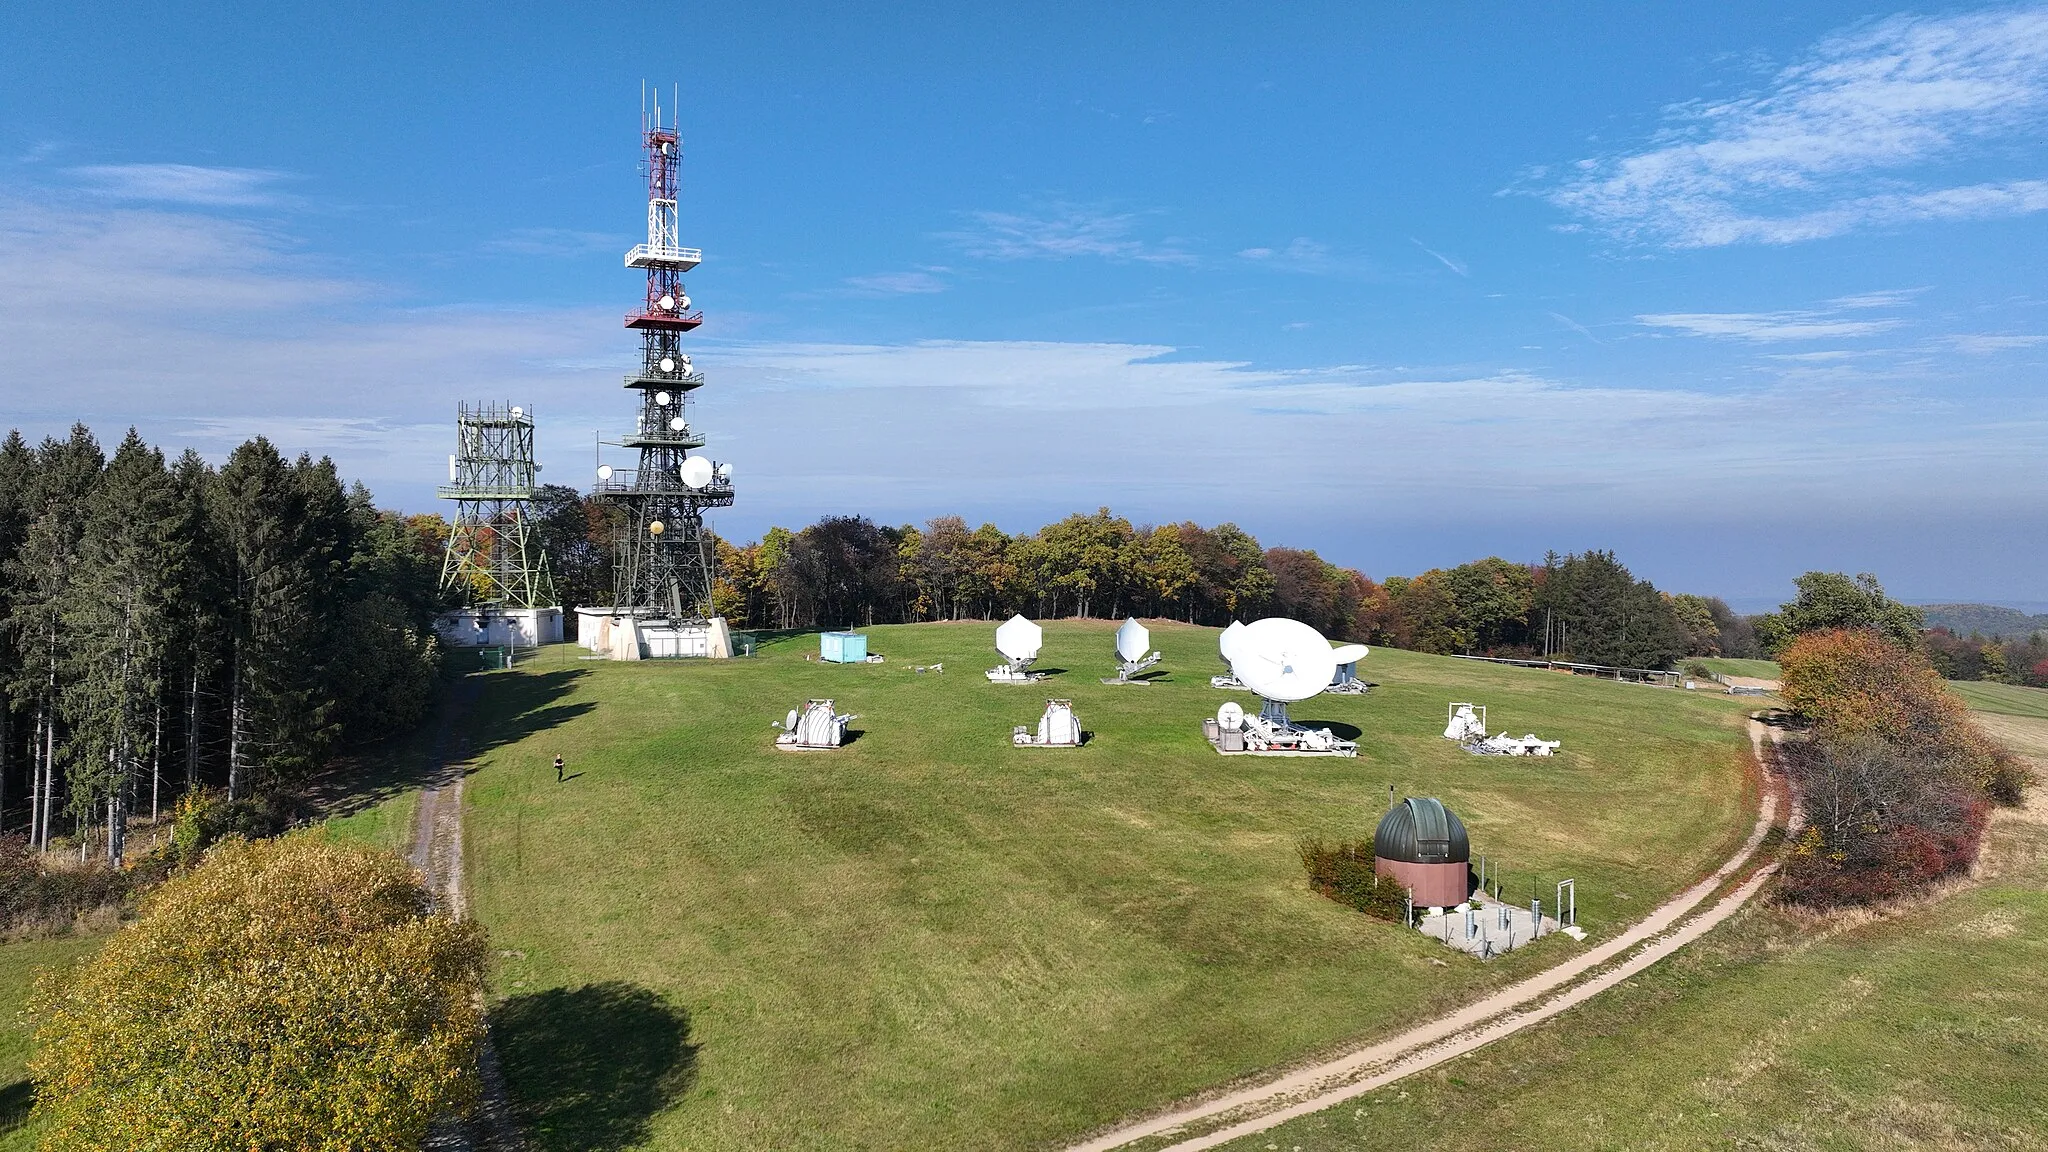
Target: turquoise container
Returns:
[[842, 647]]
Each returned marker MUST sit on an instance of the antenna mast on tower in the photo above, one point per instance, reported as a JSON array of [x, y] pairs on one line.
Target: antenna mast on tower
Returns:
[[662, 560]]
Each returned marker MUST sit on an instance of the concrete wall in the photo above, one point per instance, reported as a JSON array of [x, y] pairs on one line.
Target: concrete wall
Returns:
[[512, 627]]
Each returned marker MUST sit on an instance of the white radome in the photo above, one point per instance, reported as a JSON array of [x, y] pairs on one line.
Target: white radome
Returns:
[[604, 472], [1283, 660], [696, 472], [668, 364], [676, 424], [662, 398], [1019, 639], [668, 303]]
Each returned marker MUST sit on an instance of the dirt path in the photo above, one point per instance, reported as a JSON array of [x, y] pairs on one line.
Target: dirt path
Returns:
[[1666, 929], [437, 853]]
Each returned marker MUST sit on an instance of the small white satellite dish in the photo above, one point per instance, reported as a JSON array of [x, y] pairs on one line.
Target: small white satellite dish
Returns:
[[725, 471], [518, 411], [668, 363], [683, 303], [604, 472], [451, 469], [686, 363], [1133, 640], [662, 398], [668, 303], [1230, 717], [696, 472], [1227, 642], [789, 723], [1283, 660], [676, 424], [1351, 653], [1019, 639]]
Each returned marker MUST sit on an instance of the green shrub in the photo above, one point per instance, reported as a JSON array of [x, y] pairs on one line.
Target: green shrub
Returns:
[[1344, 873]]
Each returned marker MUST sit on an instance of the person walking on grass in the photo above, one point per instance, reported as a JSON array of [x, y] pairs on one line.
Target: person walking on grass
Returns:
[[558, 769]]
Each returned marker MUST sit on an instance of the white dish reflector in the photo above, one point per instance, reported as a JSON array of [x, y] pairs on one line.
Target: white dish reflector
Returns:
[[1351, 653], [1019, 639], [1283, 660], [1230, 716], [1227, 642], [1133, 640], [662, 398], [696, 472], [604, 472], [668, 364]]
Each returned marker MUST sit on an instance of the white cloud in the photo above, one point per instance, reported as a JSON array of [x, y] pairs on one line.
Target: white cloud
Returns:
[[182, 184], [1841, 140], [1987, 344], [917, 283], [1062, 233], [555, 242], [240, 338], [1766, 326]]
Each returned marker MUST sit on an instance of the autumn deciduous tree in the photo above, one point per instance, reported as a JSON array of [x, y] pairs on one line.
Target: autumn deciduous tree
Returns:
[[286, 994]]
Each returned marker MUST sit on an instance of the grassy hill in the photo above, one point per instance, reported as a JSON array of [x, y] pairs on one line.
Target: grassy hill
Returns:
[[932, 939], [1921, 1029]]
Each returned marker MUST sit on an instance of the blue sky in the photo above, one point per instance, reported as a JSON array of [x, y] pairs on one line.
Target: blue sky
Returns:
[[1738, 290]]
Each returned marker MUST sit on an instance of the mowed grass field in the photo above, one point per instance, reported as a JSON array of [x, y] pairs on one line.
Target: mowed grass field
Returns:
[[1926, 1028], [930, 939]]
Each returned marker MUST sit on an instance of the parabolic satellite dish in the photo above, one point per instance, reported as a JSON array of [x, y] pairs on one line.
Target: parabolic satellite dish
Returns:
[[668, 303], [1019, 639], [1283, 660], [518, 411], [1230, 717], [662, 398], [1133, 640], [1351, 653], [686, 364], [696, 472], [1227, 643], [604, 472], [668, 364], [676, 424], [683, 303], [725, 471]]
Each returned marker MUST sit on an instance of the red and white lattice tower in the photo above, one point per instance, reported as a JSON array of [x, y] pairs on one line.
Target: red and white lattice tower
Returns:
[[662, 561]]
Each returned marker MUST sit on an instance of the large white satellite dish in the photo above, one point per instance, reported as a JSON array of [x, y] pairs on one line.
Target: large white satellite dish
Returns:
[[696, 472], [1351, 653], [1283, 660], [1133, 640], [1019, 639], [1228, 640]]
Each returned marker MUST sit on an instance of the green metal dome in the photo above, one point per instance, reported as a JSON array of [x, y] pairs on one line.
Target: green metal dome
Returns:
[[1420, 830]]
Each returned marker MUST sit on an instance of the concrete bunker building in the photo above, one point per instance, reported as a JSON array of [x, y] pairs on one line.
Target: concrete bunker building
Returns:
[[1421, 845]]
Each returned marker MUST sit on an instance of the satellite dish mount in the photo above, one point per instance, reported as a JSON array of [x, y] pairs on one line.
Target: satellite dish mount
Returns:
[[1132, 643], [1018, 640]]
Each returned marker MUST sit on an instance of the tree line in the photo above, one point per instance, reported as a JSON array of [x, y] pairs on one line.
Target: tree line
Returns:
[[851, 571], [166, 625]]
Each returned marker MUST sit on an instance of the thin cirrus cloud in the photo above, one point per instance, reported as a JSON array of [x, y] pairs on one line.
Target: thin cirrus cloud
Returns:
[[918, 283], [1867, 131], [1839, 319], [1062, 233], [188, 184]]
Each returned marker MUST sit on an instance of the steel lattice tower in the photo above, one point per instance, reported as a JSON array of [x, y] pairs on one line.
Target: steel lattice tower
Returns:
[[492, 552], [662, 559]]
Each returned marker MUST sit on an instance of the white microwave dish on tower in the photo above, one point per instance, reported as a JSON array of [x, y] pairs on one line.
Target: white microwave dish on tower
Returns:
[[1018, 640], [697, 471]]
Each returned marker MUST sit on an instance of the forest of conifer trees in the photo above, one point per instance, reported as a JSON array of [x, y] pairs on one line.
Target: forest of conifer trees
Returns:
[[166, 625]]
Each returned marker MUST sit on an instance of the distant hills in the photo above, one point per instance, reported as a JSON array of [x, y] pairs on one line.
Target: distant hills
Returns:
[[1988, 619]]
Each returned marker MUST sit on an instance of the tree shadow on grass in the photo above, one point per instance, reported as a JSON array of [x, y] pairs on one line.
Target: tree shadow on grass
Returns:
[[519, 706], [590, 1068], [16, 1101]]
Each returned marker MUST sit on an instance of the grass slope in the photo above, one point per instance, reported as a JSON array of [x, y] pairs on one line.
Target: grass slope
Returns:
[[20, 962], [1778, 1031], [2002, 699], [932, 939], [1731, 666]]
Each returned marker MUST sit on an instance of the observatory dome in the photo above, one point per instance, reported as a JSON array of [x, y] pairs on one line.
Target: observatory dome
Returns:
[[1420, 830]]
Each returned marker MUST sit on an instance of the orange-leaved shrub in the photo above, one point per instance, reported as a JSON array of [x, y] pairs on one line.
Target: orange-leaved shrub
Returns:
[[1895, 780], [296, 993]]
